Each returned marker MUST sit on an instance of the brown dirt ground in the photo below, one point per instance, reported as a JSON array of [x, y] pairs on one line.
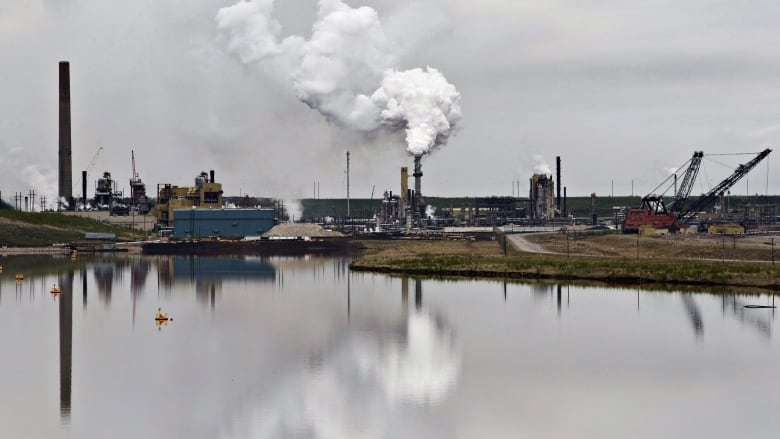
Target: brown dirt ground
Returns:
[[686, 247]]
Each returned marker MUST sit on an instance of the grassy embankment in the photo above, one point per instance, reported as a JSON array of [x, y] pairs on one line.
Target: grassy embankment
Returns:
[[605, 258], [26, 229]]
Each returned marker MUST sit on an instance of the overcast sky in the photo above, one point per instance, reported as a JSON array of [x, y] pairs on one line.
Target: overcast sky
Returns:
[[622, 90]]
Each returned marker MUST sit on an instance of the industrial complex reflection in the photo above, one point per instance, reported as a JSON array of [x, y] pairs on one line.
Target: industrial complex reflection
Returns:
[[756, 316], [398, 356]]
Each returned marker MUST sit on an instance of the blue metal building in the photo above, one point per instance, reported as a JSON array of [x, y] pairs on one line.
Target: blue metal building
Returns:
[[202, 223]]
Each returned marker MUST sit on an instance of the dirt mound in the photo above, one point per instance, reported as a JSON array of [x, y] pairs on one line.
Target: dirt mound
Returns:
[[294, 230]]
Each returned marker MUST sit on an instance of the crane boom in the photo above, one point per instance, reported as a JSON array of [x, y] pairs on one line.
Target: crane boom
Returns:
[[94, 159], [678, 203], [707, 199]]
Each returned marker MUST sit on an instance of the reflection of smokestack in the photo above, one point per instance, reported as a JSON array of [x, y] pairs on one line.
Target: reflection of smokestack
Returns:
[[65, 178], [418, 184], [404, 292], [66, 344], [84, 287], [417, 294]]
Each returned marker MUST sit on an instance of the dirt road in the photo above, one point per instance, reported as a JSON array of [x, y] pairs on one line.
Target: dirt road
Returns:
[[519, 242]]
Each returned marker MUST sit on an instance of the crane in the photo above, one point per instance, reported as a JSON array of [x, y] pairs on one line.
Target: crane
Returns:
[[84, 175], [656, 214], [687, 183], [707, 199]]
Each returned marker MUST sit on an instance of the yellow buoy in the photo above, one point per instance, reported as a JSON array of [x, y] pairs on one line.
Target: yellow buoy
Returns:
[[55, 289], [19, 276], [161, 316]]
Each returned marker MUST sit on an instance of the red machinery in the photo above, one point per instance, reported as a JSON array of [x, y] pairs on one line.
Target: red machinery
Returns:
[[655, 213]]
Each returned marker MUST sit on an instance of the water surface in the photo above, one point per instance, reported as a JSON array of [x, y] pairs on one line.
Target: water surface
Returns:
[[301, 348]]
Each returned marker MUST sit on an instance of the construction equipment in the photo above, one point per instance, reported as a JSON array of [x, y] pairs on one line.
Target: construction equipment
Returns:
[[656, 214], [707, 199]]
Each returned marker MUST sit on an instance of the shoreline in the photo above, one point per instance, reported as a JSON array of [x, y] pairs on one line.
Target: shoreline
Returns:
[[489, 260], [34, 251]]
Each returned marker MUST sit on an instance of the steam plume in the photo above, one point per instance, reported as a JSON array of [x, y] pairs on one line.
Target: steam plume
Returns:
[[541, 166], [348, 70]]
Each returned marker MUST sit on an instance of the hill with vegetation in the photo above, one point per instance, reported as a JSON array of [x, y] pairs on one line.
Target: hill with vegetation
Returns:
[[36, 229]]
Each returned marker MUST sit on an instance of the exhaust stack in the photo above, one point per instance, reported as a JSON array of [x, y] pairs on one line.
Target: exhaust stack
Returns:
[[558, 184], [65, 155], [420, 207]]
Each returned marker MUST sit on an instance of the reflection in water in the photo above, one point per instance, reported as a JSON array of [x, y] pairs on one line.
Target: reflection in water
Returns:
[[370, 382], [759, 319], [692, 310], [208, 273], [66, 342], [84, 288], [387, 373], [417, 294], [212, 268], [104, 278]]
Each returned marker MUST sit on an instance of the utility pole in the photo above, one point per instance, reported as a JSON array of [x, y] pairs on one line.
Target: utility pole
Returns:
[[32, 200]]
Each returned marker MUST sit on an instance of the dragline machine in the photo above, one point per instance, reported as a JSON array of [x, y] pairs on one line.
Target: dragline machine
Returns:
[[655, 213]]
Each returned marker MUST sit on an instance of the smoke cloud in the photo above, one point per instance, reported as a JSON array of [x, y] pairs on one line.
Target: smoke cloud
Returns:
[[541, 166], [348, 70], [294, 209]]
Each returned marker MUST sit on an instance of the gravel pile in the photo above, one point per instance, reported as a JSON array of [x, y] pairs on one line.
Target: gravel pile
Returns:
[[294, 230]]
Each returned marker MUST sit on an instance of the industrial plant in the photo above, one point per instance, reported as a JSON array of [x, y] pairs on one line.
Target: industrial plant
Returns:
[[201, 210]]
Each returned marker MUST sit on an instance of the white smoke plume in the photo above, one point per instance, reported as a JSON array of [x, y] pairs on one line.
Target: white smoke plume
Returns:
[[421, 101], [430, 211], [541, 166], [294, 209], [348, 70]]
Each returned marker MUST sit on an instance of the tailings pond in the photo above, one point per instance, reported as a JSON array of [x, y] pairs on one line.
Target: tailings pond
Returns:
[[302, 348]]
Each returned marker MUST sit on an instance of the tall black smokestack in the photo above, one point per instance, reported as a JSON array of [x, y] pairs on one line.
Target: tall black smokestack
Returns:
[[418, 184], [212, 176], [84, 188], [558, 182], [65, 177]]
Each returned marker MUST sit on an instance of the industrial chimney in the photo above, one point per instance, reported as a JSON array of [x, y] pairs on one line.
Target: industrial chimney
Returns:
[[404, 187], [420, 208], [65, 167], [558, 184], [84, 188]]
